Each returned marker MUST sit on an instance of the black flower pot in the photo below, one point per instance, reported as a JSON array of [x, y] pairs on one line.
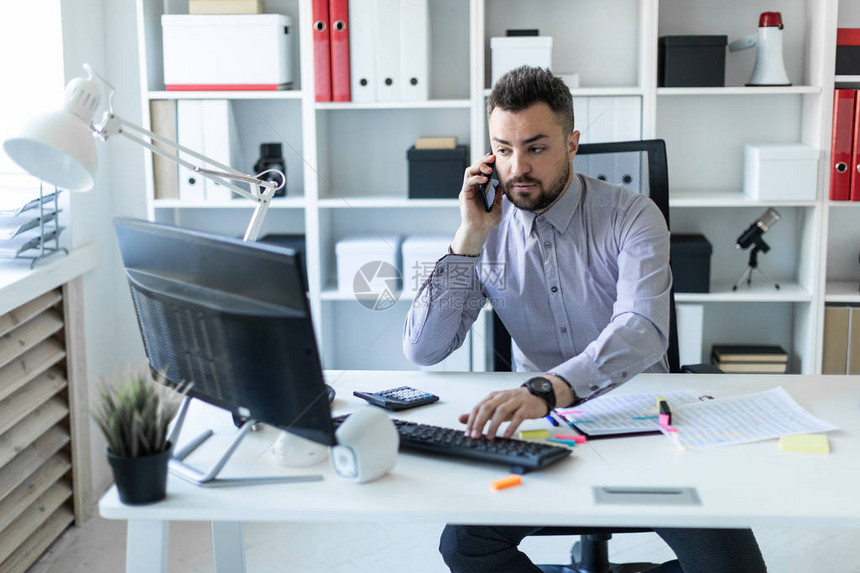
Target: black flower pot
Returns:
[[140, 480]]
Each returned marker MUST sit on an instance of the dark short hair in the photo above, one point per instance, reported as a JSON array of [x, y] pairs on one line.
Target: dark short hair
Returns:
[[522, 87]]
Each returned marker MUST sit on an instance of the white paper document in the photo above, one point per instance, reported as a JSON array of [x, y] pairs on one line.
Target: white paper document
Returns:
[[742, 419], [622, 413]]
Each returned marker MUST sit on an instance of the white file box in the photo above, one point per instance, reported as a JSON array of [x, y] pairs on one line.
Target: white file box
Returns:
[[227, 52], [356, 251], [786, 172], [511, 52]]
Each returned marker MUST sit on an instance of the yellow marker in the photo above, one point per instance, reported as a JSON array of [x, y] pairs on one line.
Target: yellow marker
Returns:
[[815, 443], [509, 481], [532, 434]]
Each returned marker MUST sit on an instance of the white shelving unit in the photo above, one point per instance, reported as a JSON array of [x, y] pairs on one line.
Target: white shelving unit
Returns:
[[347, 165]]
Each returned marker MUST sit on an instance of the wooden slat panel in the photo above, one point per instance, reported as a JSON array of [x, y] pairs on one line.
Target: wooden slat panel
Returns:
[[14, 504], [28, 310], [29, 522], [22, 467], [27, 430], [78, 395], [22, 403], [29, 551], [24, 338], [29, 365]]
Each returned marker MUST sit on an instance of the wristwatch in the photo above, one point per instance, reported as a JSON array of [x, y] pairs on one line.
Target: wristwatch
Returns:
[[542, 388]]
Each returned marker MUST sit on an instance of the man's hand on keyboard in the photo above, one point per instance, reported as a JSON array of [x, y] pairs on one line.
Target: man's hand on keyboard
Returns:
[[512, 406]]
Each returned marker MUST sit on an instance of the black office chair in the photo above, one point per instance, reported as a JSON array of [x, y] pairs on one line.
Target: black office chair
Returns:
[[642, 167]]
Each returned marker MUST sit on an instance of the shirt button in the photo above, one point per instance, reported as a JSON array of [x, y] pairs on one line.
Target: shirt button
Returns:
[[554, 289], [540, 218], [563, 330], [547, 244], [624, 374]]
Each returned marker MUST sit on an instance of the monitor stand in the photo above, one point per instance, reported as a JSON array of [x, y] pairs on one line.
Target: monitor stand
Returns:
[[210, 479]]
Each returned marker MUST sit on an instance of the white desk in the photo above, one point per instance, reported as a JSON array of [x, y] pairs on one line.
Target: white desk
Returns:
[[739, 486]]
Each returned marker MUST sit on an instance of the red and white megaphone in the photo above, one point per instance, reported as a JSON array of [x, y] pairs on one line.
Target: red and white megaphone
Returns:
[[769, 66]]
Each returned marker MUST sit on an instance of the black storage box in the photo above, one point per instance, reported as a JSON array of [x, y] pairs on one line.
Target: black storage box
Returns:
[[436, 173], [690, 259], [692, 61], [295, 242], [848, 52]]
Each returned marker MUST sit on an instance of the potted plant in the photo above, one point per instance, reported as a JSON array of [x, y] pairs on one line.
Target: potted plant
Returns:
[[134, 418]]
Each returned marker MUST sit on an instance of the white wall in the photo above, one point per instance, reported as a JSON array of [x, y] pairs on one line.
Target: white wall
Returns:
[[103, 34]]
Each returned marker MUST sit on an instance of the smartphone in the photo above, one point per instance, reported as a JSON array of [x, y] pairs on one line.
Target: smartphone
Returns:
[[488, 189]]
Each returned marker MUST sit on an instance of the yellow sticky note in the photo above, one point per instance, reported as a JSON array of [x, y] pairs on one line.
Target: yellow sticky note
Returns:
[[532, 434], [815, 443]]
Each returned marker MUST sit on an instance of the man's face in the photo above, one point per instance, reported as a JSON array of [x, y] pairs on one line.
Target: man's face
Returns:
[[533, 155]]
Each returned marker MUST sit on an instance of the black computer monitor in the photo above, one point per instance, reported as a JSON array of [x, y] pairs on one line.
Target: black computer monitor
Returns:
[[230, 317]]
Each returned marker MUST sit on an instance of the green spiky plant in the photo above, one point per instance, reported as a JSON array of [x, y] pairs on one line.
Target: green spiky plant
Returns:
[[134, 416]]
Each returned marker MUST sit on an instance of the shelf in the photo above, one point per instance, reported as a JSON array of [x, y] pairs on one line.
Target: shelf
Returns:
[[847, 79], [739, 90], [848, 204], [347, 202], [250, 94], [842, 291], [389, 105], [331, 293], [599, 92], [724, 198], [280, 203], [761, 292]]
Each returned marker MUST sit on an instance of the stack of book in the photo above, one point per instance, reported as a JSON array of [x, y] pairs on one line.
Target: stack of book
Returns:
[[750, 358], [225, 6]]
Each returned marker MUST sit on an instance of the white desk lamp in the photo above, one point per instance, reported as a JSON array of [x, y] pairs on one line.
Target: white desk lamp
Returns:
[[59, 148]]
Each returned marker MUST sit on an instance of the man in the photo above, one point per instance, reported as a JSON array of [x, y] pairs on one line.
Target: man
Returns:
[[578, 271]]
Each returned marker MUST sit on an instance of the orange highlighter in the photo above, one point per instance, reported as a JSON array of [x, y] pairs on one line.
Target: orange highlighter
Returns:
[[507, 482]]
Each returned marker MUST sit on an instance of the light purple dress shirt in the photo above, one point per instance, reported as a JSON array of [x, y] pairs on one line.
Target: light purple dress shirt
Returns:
[[582, 288]]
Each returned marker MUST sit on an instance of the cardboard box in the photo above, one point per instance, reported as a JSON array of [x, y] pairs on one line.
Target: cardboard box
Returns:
[[511, 52], [436, 173], [780, 172], [420, 253], [691, 61], [355, 251], [227, 52]]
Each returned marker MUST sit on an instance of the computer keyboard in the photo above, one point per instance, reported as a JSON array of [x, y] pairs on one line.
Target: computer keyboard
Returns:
[[520, 455]]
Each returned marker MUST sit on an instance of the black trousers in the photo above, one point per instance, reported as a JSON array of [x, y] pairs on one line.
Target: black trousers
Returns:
[[479, 548]]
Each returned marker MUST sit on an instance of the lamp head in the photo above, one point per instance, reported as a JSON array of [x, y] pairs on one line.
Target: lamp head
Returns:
[[759, 227], [58, 147]]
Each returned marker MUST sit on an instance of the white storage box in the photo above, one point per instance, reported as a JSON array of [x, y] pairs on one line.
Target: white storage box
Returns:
[[353, 252], [420, 253], [511, 52], [227, 52], [780, 172]]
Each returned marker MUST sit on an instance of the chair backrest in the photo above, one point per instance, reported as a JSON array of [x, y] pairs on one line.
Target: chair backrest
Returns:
[[640, 166]]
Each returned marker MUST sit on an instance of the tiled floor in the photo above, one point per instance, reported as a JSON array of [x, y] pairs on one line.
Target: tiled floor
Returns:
[[98, 547]]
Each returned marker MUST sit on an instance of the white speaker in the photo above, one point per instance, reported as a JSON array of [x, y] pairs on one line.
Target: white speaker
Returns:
[[366, 447]]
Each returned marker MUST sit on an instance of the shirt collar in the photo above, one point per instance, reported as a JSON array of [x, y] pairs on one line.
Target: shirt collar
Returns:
[[561, 212]]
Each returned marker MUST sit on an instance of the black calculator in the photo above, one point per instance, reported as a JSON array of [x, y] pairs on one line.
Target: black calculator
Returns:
[[398, 398]]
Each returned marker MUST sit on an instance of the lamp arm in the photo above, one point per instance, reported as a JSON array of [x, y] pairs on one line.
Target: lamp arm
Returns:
[[259, 191]]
